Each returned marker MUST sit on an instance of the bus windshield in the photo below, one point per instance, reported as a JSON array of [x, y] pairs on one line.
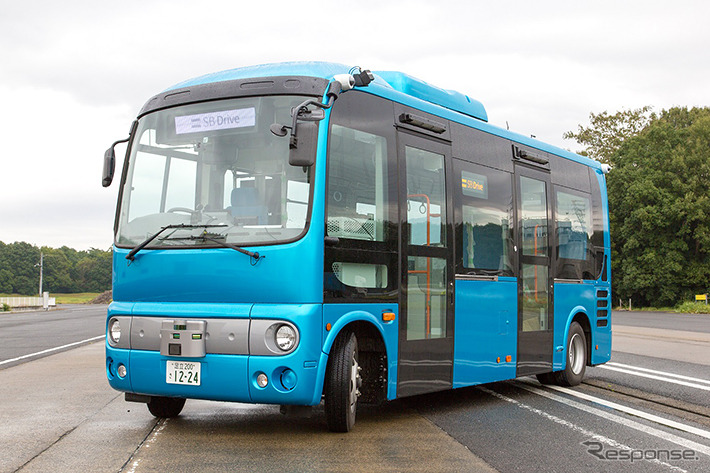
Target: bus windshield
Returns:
[[216, 164]]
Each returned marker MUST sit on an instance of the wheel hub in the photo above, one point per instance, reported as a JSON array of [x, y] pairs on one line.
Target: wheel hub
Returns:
[[576, 355], [355, 384]]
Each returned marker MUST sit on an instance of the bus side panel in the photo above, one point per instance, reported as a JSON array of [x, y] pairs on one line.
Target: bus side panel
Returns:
[[601, 337], [339, 315], [601, 326], [486, 331]]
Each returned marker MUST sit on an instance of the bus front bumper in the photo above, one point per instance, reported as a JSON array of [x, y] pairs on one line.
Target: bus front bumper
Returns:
[[291, 379]]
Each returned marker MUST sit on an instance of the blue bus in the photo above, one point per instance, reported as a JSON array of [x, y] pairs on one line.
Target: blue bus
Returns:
[[303, 232]]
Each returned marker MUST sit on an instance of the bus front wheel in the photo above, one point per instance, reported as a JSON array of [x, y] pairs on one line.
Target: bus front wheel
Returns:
[[165, 406], [343, 382]]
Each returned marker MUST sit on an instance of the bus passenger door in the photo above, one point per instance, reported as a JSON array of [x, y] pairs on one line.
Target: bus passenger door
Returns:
[[426, 299], [535, 324]]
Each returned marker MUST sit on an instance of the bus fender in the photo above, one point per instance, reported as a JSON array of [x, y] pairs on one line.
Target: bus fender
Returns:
[[578, 310], [338, 326], [350, 317]]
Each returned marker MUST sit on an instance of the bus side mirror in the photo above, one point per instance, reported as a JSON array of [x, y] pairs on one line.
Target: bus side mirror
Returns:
[[302, 149], [110, 157], [109, 167]]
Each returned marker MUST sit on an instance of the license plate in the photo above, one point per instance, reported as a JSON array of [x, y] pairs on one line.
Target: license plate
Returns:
[[183, 372]]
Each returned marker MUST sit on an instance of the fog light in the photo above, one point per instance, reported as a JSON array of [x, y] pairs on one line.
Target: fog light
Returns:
[[288, 379], [122, 371], [114, 330], [262, 380]]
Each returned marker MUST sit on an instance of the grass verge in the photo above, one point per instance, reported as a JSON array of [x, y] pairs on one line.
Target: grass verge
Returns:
[[693, 308], [78, 298]]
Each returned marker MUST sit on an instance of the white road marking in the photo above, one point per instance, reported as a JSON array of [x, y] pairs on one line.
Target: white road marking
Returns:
[[152, 437], [635, 412], [658, 378], [683, 442], [50, 350], [662, 373], [588, 433]]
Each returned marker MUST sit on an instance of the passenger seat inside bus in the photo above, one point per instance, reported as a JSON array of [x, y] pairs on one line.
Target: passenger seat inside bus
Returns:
[[247, 208]]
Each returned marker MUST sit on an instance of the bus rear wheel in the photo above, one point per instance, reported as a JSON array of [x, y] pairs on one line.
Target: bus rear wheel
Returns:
[[165, 406], [576, 357], [547, 378], [343, 382]]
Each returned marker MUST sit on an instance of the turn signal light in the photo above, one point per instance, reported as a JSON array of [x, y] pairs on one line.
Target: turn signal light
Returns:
[[388, 316]]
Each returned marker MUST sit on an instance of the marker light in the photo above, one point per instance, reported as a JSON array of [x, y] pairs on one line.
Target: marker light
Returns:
[[285, 337], [262, 380], [115, 331], [346, 81]]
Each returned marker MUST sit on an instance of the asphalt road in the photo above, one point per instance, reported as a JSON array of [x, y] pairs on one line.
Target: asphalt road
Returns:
[[33, 334], [663, 320], [634, 414]]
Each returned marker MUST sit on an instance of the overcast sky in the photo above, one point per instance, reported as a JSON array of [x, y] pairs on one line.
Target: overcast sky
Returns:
[[73, 74]]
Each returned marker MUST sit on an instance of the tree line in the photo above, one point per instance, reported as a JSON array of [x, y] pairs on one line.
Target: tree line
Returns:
[[659, 200], [65, 270]]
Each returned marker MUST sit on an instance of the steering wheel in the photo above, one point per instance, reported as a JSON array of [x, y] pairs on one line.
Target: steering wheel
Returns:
[[181, 209]]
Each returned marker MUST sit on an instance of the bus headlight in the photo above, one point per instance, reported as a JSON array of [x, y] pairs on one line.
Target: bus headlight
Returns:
[[285, 337], [114, 330]]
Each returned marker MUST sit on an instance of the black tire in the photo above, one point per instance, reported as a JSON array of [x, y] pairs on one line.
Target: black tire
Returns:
[[342, 383], [576, 357], [166, 406], [547, 378]]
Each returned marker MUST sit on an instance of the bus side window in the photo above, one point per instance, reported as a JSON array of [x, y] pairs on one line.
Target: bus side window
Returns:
[[484, 206], [357, 185], [597, 227], [573, 220]]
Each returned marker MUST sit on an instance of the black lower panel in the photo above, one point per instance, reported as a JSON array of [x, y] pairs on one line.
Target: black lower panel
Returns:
[[426, 367], [534, 352]]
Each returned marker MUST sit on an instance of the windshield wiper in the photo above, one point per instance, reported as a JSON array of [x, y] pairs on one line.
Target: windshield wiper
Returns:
[[132, 255], [214, 239]]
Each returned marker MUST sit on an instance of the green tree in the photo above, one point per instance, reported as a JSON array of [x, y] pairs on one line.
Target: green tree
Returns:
[[606, 133], [57, 271], [94, 271], [65, 269], [19, 260], [660, 209]]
